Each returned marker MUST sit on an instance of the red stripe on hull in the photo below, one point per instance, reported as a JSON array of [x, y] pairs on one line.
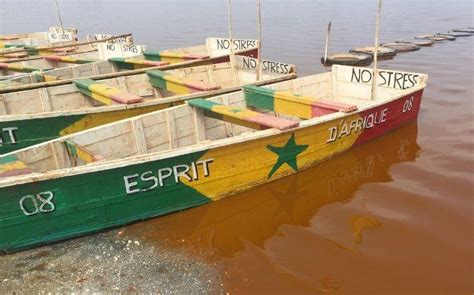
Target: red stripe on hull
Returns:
[[397, 113]]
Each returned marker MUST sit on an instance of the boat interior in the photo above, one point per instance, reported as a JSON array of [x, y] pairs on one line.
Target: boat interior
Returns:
[[87, 94], [282, 106]]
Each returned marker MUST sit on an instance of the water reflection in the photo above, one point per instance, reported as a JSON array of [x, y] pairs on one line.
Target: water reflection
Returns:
[[255, 216]]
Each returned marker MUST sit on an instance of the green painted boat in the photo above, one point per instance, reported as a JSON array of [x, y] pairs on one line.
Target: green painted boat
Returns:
[[192, 154], [32, 116]]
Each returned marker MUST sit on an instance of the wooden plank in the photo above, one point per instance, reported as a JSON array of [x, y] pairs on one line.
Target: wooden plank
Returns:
[[288, 103], [240, 116], [171, 129], [199, 124], [228, 126], [178, 85], [45, 101], [122, 83], [3, 107], [104, 93], [81, 152], [139, 135], [95, 68], [60, 155]]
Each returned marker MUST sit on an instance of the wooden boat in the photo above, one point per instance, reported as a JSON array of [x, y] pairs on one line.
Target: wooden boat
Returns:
[[401, 47], [54, 34], [189, 155], [434, 38], [417, 42], [214, 50], [348, 59], [382, 52], [32, 68], [44, 113], [27, 52]]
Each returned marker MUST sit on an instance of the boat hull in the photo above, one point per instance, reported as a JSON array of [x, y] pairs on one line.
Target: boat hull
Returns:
[[59, 208]]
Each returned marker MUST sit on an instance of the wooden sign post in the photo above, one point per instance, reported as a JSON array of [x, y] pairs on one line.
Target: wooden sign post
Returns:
[[259, 38], [376, 50], [327, 43]]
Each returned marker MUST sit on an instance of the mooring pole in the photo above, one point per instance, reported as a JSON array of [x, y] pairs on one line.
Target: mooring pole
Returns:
[[376, 51], [259, 38], [231, 45], [327, 43], [59, 16]]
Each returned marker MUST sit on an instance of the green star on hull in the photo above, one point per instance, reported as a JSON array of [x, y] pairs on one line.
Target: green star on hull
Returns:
[[287, 154]]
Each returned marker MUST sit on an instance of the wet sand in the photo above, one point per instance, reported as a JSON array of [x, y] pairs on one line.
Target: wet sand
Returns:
[[107, 262]]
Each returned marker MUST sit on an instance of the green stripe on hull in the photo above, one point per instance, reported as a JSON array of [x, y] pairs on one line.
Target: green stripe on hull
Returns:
[[19, 134], [23, 133], [121, 63], [32, 50], [152, 55], [157, 78], [91, 202]]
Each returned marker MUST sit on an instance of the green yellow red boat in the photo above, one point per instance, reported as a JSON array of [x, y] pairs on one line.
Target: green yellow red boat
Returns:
[[192, 154]]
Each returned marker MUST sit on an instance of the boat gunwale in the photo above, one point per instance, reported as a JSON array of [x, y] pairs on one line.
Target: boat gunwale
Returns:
[[176, 152]]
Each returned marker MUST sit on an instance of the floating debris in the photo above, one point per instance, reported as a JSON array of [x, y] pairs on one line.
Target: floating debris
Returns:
[[382, 53], [401, 47], [350, 59]]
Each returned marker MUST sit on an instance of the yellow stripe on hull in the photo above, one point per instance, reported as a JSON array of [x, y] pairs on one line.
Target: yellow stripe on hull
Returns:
[[242, 166]]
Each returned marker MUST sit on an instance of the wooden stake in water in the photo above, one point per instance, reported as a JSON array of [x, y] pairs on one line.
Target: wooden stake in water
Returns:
[[376, 51], [231, 45], [59, 16], [259, 38], [327, 43]]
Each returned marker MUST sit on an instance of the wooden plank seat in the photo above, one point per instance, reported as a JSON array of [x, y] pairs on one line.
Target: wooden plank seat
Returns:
[[37, 50], [135, 63], [45, 78], [68, 59], [241, 116], [104, 93], [171, 57], [16, 54], [288, 103], [175, 84], [77, 151], [9, 37], [11, 166], [19, 68]]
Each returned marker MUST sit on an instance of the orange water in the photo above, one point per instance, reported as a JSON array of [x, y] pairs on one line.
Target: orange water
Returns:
[[394, 216]]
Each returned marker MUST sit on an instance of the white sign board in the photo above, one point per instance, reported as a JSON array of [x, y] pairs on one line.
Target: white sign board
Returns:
[[108, 50], [386, 78], [221, 46], [73, 31], [60, 37], [121, 40], [267, 66]]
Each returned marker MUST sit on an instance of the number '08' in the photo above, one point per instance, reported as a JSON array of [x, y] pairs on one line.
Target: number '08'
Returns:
[[39, 203]]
